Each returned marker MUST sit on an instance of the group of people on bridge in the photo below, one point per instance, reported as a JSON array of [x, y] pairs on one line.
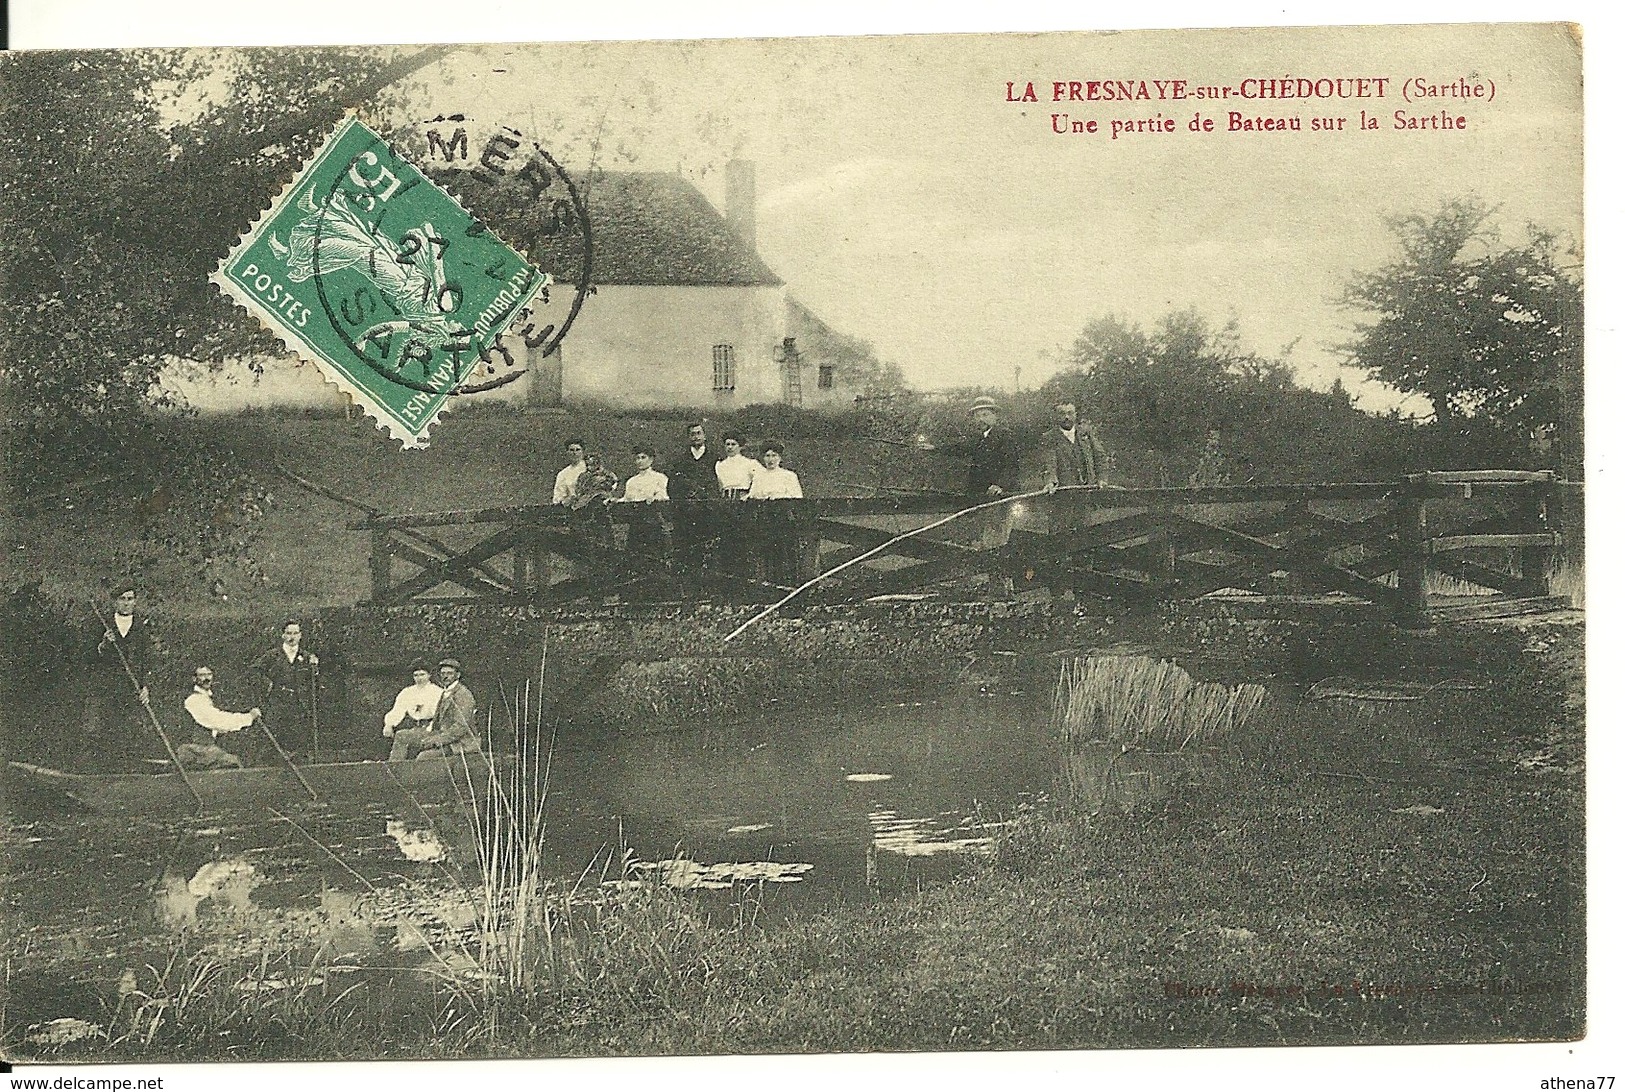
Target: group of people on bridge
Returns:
[[687, 537], [683, 535]]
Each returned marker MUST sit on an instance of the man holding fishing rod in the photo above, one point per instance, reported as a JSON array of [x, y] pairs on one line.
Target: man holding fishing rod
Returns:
[[993, 470]]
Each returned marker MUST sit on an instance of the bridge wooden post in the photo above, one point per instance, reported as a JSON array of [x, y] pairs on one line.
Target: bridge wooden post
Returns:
[[378, 564], [808, 560], [1412, 540], [1542, 511], [539, 562], [524, 569]]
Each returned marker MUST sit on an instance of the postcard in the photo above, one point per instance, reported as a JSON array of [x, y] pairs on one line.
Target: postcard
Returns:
[[952, 543]]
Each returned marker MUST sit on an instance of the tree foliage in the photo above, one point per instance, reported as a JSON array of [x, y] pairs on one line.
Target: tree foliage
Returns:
[[133, 174], [1490, 334], [1184, 391]]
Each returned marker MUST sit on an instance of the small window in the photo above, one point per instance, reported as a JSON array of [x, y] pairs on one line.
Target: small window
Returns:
[[826, 377], [722, 367]]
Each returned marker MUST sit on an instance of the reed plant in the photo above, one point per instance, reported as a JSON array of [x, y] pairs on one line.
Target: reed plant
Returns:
[[1148, 703]]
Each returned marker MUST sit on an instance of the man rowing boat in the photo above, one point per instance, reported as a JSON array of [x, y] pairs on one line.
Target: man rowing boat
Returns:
[[209, 724], [289, 673], [120, 664]]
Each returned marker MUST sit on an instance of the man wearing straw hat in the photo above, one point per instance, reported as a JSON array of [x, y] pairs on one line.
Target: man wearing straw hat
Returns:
[[993, 470], [452, 730]]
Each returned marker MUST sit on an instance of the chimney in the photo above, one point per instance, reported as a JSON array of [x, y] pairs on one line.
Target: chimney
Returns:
[[740, 201]]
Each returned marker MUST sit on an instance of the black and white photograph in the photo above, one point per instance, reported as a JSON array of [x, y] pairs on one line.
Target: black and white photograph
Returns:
[[809, 545]]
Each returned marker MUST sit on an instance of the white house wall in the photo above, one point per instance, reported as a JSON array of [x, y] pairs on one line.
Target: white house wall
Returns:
[[635, 345], [631, 346]]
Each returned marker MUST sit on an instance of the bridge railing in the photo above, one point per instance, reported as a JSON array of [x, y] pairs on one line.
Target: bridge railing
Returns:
[[1386, 545]]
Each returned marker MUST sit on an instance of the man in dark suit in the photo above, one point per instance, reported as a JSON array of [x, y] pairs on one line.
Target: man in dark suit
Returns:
[[116, 720], [288, 670], [692, 476], [993, 471], [994, 457], [1073, 456]]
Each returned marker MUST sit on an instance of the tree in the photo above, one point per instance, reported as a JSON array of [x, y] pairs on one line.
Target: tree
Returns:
[[131, 174], [128, 184], [1159, 392], [1491, 335], [1173, 401]]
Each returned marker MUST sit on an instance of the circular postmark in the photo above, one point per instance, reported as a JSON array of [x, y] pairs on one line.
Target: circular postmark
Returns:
[[452, 296]]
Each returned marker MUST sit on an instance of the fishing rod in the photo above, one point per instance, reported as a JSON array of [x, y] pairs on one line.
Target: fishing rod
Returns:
[[983, 506], [865, 556], [146, 704]]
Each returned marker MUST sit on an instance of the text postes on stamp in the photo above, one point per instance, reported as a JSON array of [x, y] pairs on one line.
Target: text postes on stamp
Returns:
[[381, 278]]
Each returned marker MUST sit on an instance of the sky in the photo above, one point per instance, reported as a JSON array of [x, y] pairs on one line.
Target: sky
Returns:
[[906, 201]]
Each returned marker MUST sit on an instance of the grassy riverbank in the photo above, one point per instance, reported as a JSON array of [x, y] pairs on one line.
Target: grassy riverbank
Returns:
[[1354, 872]]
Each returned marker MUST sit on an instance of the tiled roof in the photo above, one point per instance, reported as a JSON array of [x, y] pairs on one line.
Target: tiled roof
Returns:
[[648, 228], [653, 228]]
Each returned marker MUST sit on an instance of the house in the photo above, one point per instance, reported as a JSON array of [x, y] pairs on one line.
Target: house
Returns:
[[683, 312]]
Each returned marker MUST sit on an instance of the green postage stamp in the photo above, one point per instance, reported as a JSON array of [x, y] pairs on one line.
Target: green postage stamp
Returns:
[[381, 278]]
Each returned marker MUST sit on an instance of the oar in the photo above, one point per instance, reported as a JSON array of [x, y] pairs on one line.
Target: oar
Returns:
[[288, 759], [147, 705], [315, 732]]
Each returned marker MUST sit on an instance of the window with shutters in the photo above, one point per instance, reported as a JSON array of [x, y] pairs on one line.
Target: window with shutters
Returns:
[[722, 367]]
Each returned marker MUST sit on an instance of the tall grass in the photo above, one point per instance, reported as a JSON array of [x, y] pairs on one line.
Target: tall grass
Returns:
[[1147, 703]]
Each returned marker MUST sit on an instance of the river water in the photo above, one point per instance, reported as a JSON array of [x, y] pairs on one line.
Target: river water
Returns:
[[796, 810]]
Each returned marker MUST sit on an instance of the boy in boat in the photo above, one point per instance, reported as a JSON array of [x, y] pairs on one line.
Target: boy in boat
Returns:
[[415, 705], [209, 723], [289, 672], [453, 729]]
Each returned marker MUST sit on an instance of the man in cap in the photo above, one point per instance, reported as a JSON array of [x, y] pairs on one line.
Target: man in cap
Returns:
[[452, 730], [993, 470], [994, 460], [120, 664]]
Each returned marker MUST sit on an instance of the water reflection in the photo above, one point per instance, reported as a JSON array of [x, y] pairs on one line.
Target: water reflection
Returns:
[[927, 837], [839, 803], [415, 845], [688, 875], [227, 883]]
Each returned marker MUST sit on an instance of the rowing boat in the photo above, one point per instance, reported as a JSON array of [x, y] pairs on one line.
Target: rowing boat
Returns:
[[259, 788]]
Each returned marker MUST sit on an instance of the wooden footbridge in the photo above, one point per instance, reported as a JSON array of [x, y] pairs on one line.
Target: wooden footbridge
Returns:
[[1391, 547]]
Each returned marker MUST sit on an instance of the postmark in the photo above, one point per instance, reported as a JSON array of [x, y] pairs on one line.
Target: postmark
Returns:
[[524, 193], [382, 279]]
